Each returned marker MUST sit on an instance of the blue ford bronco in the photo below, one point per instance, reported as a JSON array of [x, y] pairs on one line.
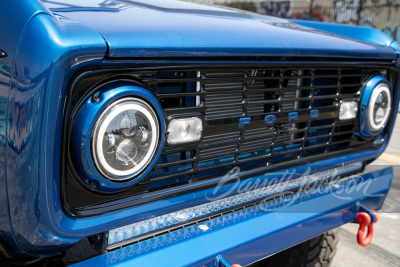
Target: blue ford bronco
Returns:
[[167, 133]]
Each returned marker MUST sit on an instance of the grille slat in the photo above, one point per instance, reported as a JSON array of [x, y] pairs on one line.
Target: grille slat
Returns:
[[222, 97], [224, 100], [221, 86], [256, 79], [227, 149]]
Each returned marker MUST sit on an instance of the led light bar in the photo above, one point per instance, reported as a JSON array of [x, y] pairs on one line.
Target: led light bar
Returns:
[[126, 234]]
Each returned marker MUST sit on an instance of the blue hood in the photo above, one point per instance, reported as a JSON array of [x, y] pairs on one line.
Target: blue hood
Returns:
[[160, 28]]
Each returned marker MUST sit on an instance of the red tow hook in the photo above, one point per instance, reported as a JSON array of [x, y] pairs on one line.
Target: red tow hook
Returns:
[[365, 221]]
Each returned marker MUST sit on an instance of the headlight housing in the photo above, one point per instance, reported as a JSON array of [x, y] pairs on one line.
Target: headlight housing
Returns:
[[379, 107], [125, 139], [375, 106], [116, 137]]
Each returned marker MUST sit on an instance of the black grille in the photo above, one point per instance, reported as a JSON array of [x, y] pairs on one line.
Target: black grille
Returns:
[[221, 97], [221, 93]]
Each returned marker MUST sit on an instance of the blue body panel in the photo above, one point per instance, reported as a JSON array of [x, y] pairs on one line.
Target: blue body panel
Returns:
[[356, 32], [11, 28], [45, 51], [42, 54], [213, 32], [260, 230]]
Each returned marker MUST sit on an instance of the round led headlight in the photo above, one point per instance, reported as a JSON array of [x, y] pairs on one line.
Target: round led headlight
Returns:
[[379, 107], [125, 139], [375, 106], [116, 137]]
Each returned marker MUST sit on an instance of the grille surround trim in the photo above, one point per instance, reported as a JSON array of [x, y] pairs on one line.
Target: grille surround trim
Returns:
[[82, 207]]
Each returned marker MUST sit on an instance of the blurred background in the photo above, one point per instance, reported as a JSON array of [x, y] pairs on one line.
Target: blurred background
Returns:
[[380, 14]]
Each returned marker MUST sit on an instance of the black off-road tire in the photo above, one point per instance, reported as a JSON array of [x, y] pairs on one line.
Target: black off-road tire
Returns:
[[316, 252]]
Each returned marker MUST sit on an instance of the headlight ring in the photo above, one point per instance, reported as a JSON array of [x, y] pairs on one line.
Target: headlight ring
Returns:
[[125, 138], [375, 106], [379, 107], [116, 140]]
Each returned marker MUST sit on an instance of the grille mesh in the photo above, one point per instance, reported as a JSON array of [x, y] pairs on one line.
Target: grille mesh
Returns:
[[221, 97]]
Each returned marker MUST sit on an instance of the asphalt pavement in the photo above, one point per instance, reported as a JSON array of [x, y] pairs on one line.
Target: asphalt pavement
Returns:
[[384, 249]]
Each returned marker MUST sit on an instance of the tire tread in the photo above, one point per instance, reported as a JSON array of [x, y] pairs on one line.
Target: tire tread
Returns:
[[316, 252]]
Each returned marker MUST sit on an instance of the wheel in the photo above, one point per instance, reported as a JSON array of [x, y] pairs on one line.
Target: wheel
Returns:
[[318, 251]]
